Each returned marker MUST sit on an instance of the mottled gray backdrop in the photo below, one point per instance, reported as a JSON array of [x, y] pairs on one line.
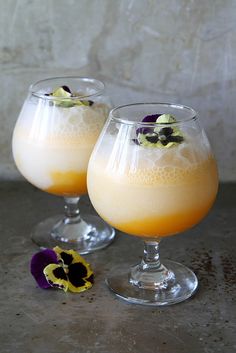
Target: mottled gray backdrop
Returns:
[[144, 50]]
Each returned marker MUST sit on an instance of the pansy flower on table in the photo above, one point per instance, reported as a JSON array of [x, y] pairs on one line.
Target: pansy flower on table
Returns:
[[63, 269]]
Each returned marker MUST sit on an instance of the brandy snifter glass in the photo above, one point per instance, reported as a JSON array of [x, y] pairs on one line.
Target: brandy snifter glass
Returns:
[[53, 138], [152, 174]]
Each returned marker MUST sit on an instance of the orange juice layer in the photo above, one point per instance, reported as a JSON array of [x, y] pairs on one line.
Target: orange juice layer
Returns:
[[165, 225], [153, 202], [68, 183]]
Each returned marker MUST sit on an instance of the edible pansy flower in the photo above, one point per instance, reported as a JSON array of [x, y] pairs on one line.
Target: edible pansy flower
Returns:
[[38, 262], [64, 269], [63, 95], [159, 136], [148, 119]]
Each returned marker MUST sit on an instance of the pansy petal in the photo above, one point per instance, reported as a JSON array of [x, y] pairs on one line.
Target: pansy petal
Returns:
[[80, 277], [147, 130], [82, 288], [56, 276], [38, 262], [88, 268], [90, 279], [63, 256], [76, 272], [151, 118], [68, 257]]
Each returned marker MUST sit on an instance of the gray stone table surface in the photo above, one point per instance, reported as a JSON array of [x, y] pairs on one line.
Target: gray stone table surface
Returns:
[[36, 320]]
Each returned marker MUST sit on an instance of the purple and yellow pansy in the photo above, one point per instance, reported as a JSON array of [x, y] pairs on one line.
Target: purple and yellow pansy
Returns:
[[63, 269], [161, 133]]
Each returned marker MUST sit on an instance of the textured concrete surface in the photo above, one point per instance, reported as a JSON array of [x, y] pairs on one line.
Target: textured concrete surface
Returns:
[[175, 50], [50, 321]]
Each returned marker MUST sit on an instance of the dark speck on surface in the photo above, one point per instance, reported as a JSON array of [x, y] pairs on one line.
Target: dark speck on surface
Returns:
[[229, 270]]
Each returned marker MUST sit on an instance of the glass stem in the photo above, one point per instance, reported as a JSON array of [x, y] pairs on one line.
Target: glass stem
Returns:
[[72, 212], [150, 273], [151, 257], [72, 228]]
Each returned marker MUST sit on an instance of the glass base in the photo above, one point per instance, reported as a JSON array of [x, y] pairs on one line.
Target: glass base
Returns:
[[86, 236], [182, 286]]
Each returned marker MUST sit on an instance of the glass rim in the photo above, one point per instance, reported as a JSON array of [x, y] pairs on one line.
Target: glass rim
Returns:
[[99, 89], [192, 117]]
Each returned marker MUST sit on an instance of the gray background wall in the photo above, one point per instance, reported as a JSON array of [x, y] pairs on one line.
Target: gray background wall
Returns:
[[165, 50]]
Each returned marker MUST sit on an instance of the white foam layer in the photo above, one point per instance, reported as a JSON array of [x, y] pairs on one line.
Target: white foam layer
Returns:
[[123, 158], [47, 123]]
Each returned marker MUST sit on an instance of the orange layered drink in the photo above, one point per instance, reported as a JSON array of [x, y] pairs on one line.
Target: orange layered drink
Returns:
[[152, 174], [53, 138], [153, 191]]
